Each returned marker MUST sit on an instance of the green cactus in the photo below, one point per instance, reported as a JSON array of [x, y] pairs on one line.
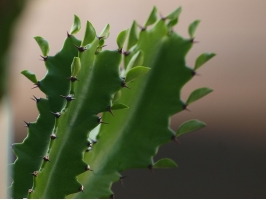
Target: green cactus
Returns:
[[71, 151]]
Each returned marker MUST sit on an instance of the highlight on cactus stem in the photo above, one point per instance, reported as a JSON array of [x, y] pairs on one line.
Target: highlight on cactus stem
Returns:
[[73, 152]]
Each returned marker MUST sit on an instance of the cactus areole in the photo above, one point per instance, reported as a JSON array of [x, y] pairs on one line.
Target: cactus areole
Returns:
[[71, 152]]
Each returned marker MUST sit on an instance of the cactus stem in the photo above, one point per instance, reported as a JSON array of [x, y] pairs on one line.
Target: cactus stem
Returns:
[[150, 167], [35, 173], [100, 121], [81, 49], [36, 85], [81, 189], [72, 78], [57, 114], [142, 28], [27, 124], [46, 158], [88, 168], [109, 110], [53, 136], [68, 97], [36, 99]]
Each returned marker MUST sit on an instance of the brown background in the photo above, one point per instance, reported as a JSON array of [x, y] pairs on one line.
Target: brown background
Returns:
[[227, 159]]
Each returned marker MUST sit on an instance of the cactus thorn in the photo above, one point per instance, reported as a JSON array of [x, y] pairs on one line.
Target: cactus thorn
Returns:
[[46, 158], [142, 28], [109, 110], [150, 167], [126, 53], [81, 49], [100, 37], [68, 97], [44, 58], [121, 180], [162, 17], [27, 124], [81, 189], [53, 136], [94, 141], [36, 85], [30, 191], [192, 40], [120, 50], [175, 139], [89, 149], [35, 173], [68, 35], [185, 107], [88, 168], [72, 78], [57, 114], [36, 99], [112, 196], [123, 83], [100, 121]]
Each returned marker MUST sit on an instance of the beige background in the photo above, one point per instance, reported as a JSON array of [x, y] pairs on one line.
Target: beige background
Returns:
[[235, 30]]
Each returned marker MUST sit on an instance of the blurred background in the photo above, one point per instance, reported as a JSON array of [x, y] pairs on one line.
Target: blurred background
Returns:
[[227, 159]]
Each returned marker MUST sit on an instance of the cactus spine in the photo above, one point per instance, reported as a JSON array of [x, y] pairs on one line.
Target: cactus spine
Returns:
[[79, 160]]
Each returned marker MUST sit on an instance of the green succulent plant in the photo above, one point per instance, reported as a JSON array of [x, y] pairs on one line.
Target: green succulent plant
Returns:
[[73, 152]]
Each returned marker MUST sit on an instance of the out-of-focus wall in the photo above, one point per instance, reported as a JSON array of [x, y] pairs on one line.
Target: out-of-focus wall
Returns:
[[235, 30]]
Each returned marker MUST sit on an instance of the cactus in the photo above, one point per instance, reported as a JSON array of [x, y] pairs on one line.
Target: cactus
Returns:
[[71, 151]]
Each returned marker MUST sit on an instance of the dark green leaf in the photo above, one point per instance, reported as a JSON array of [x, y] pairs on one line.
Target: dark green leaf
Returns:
[[121, 39], [89, 34], [43, 44], [198, 94], [136, 72], [203, 58], [165, 163], [189, 126], [192, 28], [132, 38], [119, 106], [105, 32], [175, 14], [30, 75], [76, 26], [152, 18]]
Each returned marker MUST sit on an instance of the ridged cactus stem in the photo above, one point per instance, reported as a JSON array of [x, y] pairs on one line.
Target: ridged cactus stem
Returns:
[[98, 121]]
